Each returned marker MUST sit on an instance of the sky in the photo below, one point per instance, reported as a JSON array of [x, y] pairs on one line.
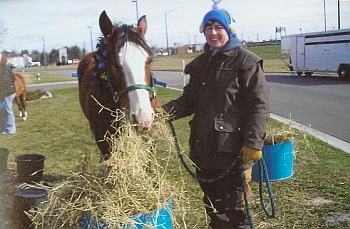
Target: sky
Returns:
[[53, 24]]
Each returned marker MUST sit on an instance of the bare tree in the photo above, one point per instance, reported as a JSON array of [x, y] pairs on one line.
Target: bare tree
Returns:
[[3, 32]]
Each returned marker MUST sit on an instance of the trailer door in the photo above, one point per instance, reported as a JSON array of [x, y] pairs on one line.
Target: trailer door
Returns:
[[300, 57]]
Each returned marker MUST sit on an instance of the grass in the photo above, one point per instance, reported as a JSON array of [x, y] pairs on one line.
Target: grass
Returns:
[[316, 196], [273, 59], [45, 77], [273, 63]]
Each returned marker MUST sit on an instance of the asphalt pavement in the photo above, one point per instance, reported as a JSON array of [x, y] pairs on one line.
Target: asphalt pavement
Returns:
[[176, 80]]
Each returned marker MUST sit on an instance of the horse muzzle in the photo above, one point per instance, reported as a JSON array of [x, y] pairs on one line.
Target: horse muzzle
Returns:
[[142, 123]]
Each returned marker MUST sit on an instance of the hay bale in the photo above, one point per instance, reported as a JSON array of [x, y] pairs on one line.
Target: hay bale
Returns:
[[135, 184]]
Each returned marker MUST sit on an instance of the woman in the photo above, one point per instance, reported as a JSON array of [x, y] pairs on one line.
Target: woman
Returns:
[[228, 98], [7, 94]]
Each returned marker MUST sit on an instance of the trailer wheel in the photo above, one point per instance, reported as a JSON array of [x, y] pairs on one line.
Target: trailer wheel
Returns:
[[344, 71], [299, 74], [308, 74]]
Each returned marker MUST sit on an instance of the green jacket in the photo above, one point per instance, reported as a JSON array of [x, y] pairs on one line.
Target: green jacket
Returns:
[[228, 98]]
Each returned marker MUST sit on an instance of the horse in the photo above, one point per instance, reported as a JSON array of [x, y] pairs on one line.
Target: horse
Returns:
[[117, 76], [21, 96]]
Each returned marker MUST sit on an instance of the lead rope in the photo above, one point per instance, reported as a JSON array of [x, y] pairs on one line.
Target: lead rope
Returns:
[[262, 174]]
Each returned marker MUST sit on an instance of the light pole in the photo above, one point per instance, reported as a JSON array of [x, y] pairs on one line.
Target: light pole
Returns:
[[166, 28], [137, 11], [188, 37], [44, 52], [324, 15], [92, 46], [338, 14]]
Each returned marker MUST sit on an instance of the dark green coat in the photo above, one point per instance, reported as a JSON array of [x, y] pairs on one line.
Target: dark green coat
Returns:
[[228, 95]]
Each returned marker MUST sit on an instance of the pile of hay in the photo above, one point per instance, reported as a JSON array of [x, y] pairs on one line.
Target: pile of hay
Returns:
[[135, 184], [281, 134]]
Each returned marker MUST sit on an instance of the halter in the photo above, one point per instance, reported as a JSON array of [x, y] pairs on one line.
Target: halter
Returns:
[[123, 32], [117, 95]]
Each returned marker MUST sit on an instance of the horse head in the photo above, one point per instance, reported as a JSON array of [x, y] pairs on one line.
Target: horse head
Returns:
[[128, 61]]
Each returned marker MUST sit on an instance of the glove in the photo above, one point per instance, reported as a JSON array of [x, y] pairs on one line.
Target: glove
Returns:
[[250, 154]]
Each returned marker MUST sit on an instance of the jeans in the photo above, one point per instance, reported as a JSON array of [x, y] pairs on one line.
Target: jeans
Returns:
[[9, 116]]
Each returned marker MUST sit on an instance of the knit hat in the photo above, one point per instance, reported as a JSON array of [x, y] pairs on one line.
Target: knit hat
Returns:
[[220, 15]]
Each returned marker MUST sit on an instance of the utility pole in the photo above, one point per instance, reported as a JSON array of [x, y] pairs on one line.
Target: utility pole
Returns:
[[44, 52], [137, 11], [324, 15], [92, 46], [338, 14], [166, 28]]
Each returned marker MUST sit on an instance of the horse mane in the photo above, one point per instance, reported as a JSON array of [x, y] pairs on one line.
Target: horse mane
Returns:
[[121, 34], [125, 33]]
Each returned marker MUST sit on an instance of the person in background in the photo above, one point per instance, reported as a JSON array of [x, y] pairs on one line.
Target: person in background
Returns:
[[228, 98], [7, 94]]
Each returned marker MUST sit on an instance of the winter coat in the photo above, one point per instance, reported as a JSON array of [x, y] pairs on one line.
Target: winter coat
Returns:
[[7, 82], [228, 98]]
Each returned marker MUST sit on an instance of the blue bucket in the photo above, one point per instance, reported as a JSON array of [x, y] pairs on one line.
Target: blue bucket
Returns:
[[158, 219], [279, 159]]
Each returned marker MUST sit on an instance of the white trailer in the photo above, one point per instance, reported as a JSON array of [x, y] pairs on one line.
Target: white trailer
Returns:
[[323, 52]]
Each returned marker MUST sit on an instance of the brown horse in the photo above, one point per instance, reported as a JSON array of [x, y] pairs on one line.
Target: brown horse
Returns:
[[21, 95], [117, 76]]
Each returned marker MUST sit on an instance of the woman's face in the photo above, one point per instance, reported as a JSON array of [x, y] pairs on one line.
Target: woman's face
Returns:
[[216, 35]]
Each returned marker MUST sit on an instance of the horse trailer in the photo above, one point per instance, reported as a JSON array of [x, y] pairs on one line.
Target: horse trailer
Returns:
[[323, 52]]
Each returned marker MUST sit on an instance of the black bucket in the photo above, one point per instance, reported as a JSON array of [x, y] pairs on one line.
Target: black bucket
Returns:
[[25, 199], [30, 168], [4, 153]]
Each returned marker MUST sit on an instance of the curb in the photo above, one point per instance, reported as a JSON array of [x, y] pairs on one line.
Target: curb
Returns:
[[340, 144]]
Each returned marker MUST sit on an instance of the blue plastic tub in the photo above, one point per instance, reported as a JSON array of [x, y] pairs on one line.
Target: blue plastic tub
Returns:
[[279, 160], [159, 219]]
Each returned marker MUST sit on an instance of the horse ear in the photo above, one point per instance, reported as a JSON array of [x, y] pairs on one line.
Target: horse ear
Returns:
[[142, 26], [106, 25]]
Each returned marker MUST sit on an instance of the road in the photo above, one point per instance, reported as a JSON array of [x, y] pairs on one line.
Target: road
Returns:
[[322, 103]]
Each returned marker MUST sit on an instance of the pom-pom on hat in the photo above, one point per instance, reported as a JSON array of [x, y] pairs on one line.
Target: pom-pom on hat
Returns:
[[220, 15]]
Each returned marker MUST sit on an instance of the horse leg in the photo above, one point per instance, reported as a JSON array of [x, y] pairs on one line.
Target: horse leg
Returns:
[[21, 107], [103, 147], [24, 105], [100, 126], [18, 101]]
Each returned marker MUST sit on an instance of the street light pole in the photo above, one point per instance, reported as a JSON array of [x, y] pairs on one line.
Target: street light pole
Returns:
[[137, 11], [188, 38], [166, 28], [44, 52], [166, 33], [324, 15], [92, 46], [338, 14]]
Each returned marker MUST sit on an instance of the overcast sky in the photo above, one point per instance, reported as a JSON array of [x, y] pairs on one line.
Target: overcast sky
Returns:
[[59, 23]]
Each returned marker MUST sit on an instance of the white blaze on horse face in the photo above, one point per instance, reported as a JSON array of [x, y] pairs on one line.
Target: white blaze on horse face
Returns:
[[133, 59]]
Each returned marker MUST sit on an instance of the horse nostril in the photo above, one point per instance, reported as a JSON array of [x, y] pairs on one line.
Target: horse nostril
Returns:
[[133, 119]]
